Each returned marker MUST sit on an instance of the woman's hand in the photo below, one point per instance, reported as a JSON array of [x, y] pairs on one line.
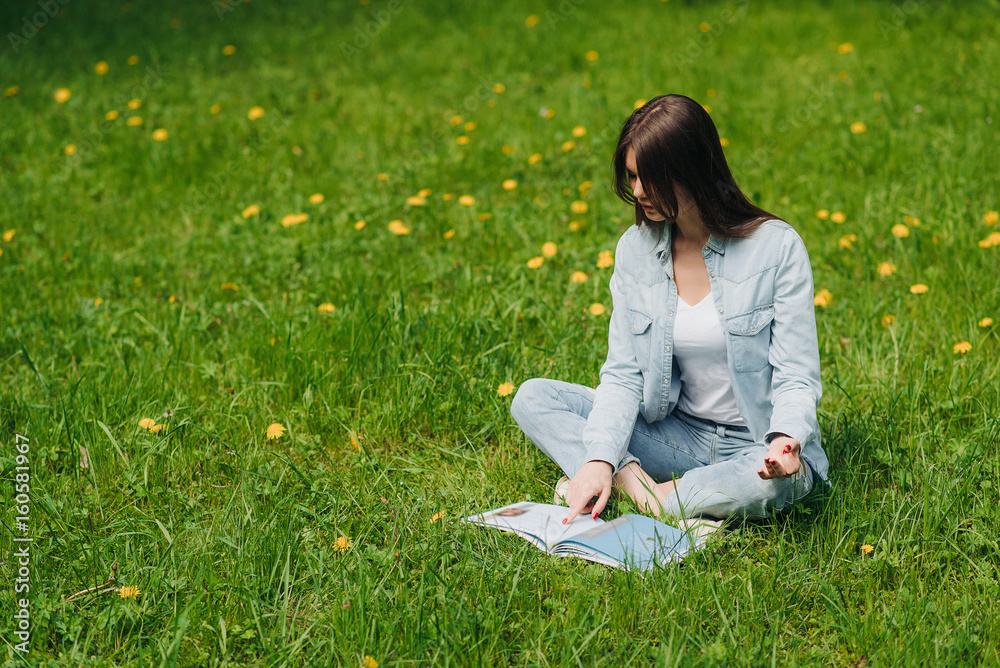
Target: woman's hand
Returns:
[[593, 479], [782, 459]]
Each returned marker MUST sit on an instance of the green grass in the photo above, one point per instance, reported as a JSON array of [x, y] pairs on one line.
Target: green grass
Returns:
[[112, 310]]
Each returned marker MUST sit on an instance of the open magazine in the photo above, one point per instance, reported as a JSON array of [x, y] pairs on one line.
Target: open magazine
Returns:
[[633, 542]]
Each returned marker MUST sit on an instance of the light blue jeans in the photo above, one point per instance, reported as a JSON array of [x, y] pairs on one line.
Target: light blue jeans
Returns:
[[713, 466]]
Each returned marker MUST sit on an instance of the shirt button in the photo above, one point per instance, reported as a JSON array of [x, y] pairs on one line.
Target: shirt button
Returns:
[[720, 311], [711, 275]]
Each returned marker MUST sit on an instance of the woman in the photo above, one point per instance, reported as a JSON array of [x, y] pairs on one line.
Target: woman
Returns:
[[706, 406]]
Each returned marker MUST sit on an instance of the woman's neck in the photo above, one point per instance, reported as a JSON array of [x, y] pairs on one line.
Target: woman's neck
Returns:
[[689, 230]]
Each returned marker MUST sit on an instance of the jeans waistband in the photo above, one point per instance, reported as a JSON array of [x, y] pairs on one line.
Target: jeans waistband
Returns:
[[718, 427]]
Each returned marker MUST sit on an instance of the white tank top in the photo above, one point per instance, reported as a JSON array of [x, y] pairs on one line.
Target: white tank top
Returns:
[[700, 352]]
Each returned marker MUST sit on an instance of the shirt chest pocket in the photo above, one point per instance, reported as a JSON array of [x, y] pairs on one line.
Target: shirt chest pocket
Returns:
[[750, 338], [640, 325]]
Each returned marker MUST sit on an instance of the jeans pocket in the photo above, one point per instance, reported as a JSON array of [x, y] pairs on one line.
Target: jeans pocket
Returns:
[[750, 338]]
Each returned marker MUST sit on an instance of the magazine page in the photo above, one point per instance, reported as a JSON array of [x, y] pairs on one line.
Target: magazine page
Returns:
[[541, 523], [635, 541]]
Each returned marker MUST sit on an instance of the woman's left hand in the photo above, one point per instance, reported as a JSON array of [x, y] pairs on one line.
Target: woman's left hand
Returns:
[[782, 459]]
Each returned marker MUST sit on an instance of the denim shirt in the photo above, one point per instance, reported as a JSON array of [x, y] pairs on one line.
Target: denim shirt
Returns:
[[763, 292]]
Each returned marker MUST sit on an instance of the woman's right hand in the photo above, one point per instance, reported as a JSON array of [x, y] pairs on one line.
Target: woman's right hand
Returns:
[[593, 479]]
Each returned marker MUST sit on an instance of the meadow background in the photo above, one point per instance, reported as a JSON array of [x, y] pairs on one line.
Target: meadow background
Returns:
[[219, 255]]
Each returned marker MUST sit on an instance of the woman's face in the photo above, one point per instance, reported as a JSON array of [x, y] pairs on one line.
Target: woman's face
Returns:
[[685, 204], [637, 191]]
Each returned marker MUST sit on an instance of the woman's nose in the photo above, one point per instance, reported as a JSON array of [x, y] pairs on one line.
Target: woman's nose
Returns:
[[637, 188]]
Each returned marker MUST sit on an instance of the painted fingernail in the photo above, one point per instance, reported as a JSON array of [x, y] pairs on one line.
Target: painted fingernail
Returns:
[[595, 516], [788, 448], [564, 520]]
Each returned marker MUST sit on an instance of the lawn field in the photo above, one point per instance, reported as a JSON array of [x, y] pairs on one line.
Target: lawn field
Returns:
[[269, 273]]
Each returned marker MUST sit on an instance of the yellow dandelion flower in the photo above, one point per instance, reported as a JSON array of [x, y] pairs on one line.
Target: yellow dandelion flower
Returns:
[[531, 21], [584, 187], [823, 298], [98, 301], [838, 217], [416, 200], [128, 591], [579, 206], [704, 27], [961, 347], [578, 277], [846, 47], [549, 249], [591, 55], [462, 141], [918, 288], [254, 113], [466, 200], [214, 109], [62, 95], [172, 299], [447, 197], [534, 158], [886, 269], [848, 240], [8, 235], [438, 515], [275, 430], [867, 549], [111, 115], [343, 544], [326, 307], [605, 259], [316, 198], [484, 216], [369, 662], [877, 96], [160, 134], [548, 113], [470, 126], [596, 309], [70, 149], [134, 122], [147, 423], [155, 429], [901, 231], [294, 219], [449, 234], [133, 60], [858, 127], [723, 142], [509, 184], [991, 217], [888, 320], [536, 262], [575, 225], [424, 192], [638, 104], [360, 225], [822, 214], [251, 210], [456, 120], [579, 131], [507, 149], [101, 67], [711, 92], [383, 177], [986, 322], [568, 146], [230, 286], [12, 91], [228, 50], [134, 104], [398, 228], [499, 88]]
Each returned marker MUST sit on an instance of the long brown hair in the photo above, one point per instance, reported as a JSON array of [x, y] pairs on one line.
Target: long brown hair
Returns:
[[676, 144]]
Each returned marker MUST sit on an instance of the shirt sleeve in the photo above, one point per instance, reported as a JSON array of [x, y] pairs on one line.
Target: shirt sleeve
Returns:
[[794, 351], [616, 401]]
